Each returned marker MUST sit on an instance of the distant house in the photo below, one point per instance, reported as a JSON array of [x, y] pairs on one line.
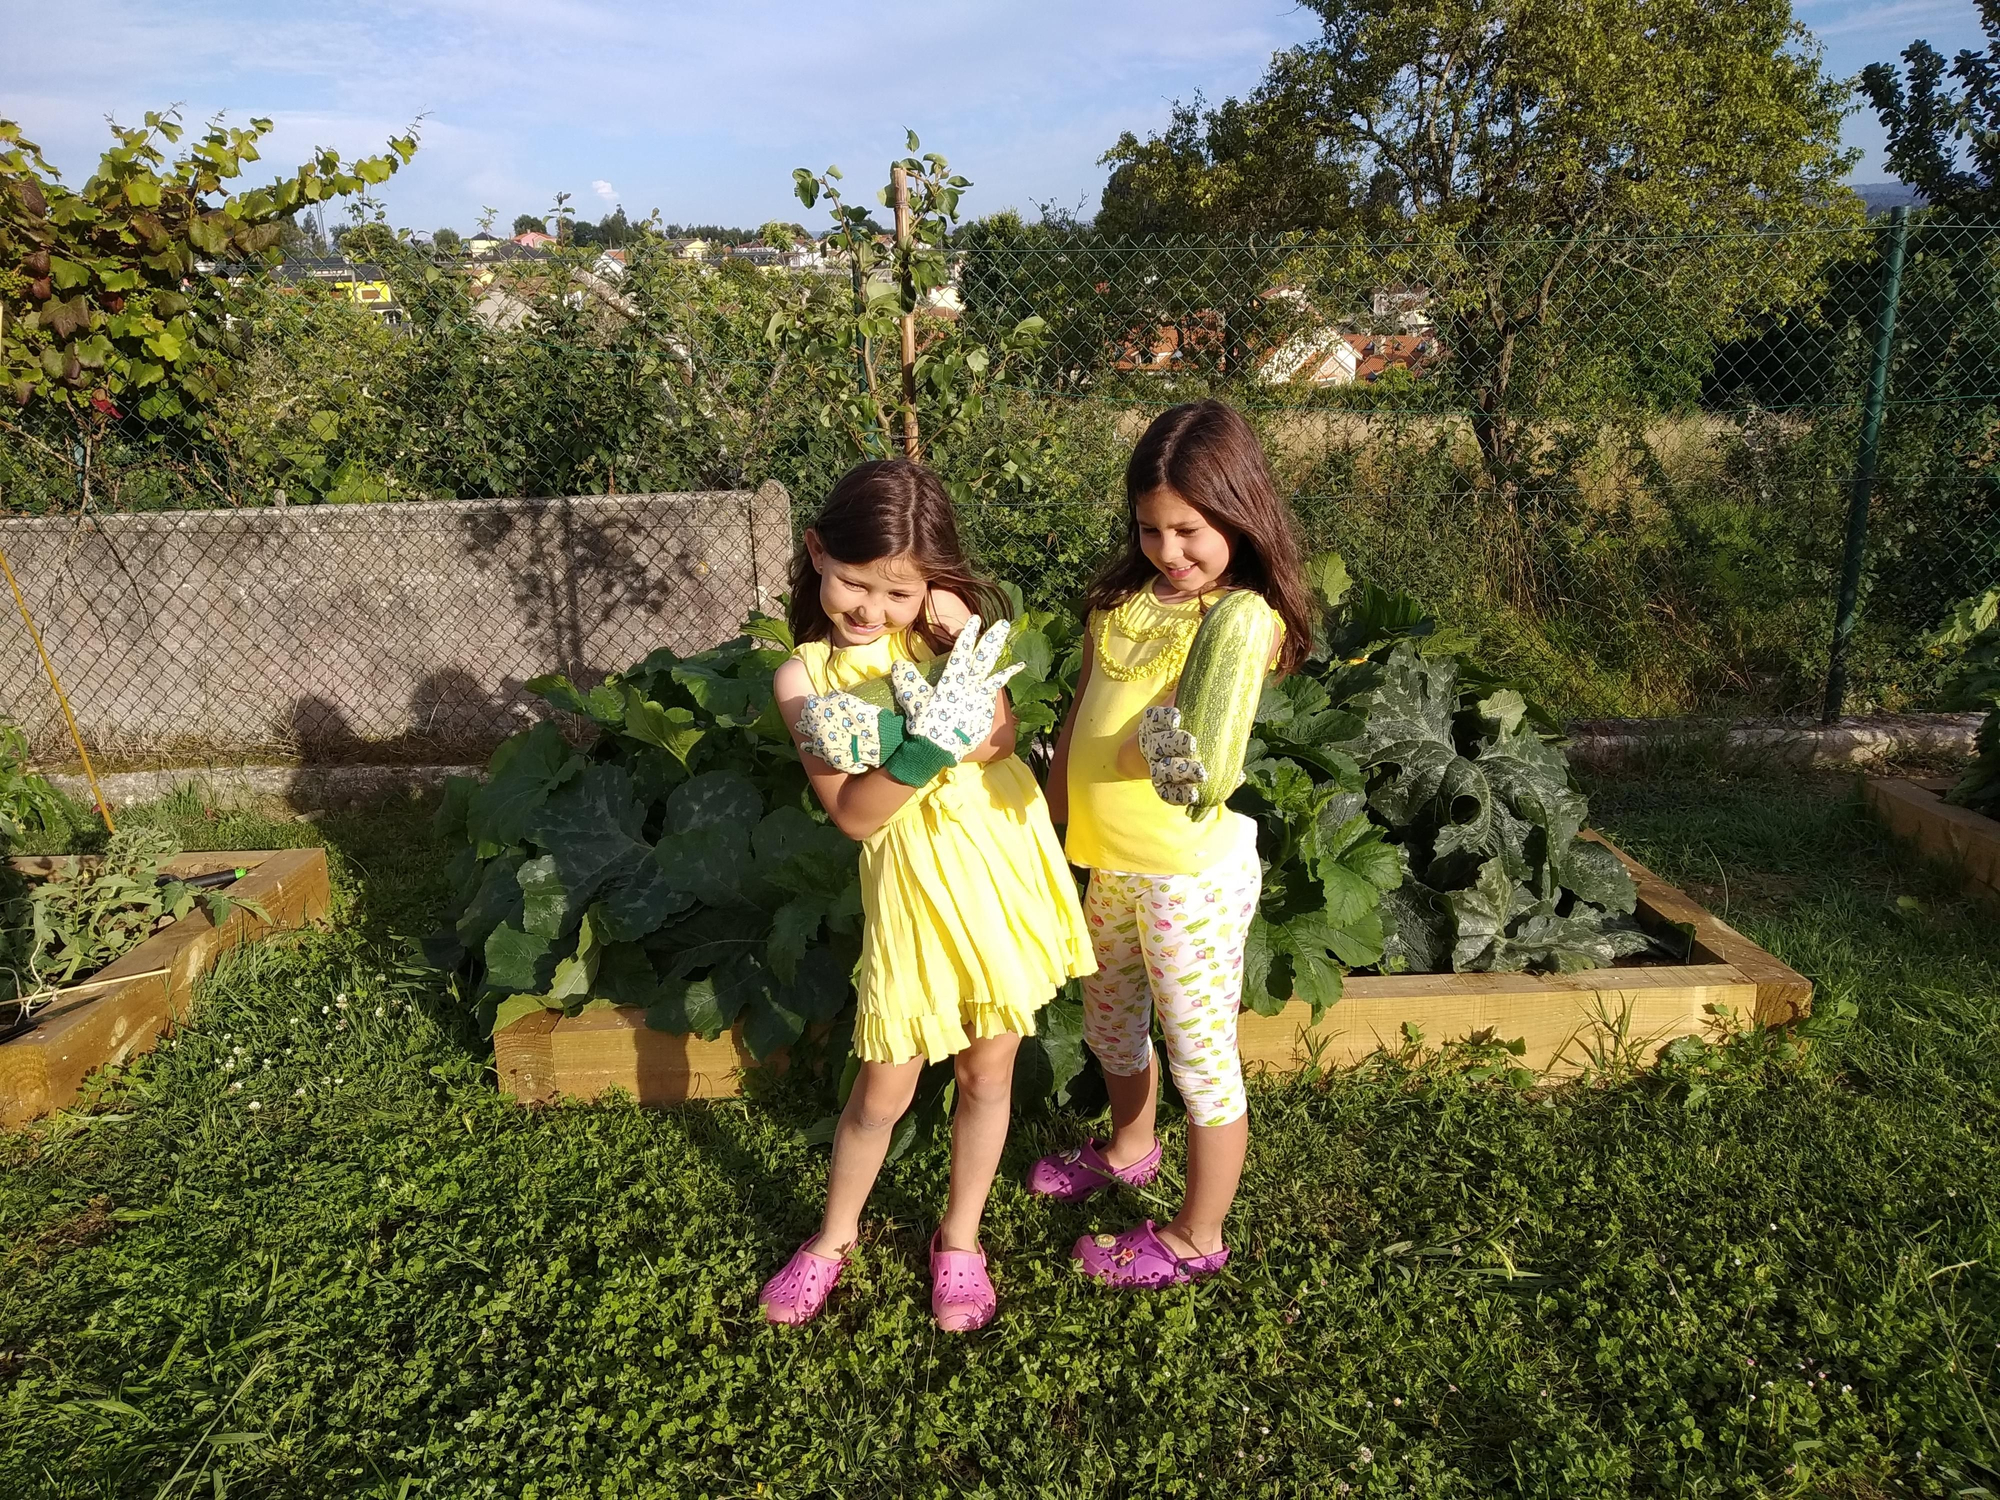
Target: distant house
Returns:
[[761, 256], [534, 239], [363, 285], [689, 249], [1319, 356], [483, 240], [1408, 306], [610, 265]]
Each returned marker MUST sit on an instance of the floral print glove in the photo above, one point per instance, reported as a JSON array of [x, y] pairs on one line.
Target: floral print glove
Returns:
[[945, 722], [848, 734], [1172, 755]]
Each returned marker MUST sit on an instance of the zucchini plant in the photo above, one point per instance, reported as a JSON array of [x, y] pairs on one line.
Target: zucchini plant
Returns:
[[680, 863], [1412, 815]]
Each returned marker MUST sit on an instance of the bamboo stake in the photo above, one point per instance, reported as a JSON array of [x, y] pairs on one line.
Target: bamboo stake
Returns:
[[75, 734], [912, 446]]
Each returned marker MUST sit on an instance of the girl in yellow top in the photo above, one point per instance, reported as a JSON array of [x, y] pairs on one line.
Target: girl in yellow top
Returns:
[[970, 916], [1170, 897]]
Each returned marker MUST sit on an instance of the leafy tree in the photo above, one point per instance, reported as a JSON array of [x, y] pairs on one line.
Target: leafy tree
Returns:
[[851, 344], [1510, 140], [116, 292], [1944, 141], [447, 242], [529, 224]]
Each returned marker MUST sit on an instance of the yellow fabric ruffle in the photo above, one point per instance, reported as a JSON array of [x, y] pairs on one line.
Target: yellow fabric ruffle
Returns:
[[971, 918]]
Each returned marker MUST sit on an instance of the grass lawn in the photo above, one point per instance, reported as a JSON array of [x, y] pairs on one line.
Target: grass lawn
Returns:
[[361, 1273]]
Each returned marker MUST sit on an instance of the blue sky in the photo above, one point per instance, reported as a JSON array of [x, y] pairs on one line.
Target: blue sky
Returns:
[[702, 110]]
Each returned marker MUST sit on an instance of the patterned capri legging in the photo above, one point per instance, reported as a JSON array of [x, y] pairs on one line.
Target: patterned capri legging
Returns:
[[1173, 944]]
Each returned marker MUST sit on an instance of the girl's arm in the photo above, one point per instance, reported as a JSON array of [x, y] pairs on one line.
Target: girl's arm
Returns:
[[858, 805], [1057, 791]]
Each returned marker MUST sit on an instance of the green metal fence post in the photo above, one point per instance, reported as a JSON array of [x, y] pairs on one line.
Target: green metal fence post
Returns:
[[1864, 466]]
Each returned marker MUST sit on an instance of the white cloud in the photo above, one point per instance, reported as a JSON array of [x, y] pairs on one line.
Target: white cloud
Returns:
[[604, 190]]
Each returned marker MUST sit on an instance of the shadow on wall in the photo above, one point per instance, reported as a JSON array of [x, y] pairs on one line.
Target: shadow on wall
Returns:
[[572, 577], [454, 719]]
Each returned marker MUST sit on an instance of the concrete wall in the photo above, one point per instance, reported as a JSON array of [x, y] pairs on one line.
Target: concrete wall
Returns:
[[342, 632]]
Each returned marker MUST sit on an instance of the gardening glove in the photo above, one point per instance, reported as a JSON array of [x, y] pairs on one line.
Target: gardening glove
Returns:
[[847, 733], [1172, 755], [945, 722]]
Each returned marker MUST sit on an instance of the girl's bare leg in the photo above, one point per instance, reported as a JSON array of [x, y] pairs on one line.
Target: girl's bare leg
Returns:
[[978, 1133], [881, 1093], [1214, 1169], [1134, 1100]]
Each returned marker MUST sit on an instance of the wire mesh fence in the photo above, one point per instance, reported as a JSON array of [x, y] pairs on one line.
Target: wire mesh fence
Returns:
[[1624, 464]]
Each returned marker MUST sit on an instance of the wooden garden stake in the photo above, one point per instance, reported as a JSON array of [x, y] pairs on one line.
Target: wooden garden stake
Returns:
[[912, 445], [69, 718]]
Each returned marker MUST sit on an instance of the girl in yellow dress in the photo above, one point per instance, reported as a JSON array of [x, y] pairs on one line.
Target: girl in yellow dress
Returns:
[[970, 914]]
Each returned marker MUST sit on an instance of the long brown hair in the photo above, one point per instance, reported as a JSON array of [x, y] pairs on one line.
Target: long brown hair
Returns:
[[1207, 454], [891, 508]]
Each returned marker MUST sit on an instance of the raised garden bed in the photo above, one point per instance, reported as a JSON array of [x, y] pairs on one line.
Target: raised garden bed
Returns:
[[1567, 1021], [123, 1008], [1957, 836]]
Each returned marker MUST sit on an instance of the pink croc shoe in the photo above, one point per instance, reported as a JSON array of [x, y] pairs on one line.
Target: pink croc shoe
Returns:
[[962, 1296], [1071, 1176], [797, 1293], [1139, 1258]]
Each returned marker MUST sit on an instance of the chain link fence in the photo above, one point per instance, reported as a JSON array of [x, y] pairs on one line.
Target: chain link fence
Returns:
[[1623, 464]]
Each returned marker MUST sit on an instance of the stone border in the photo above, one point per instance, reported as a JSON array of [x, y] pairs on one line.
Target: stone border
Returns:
[[1846, 742], [43, 1069]]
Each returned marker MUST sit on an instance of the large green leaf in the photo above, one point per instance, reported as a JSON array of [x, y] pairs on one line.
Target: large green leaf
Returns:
[[715, 799], [820, 985], [1598, 876], [517, 960], [539, 761], [545, 904], [794, 926], [712, 865], [591, 829], [497, 900], [687, 1007], [670, 729]]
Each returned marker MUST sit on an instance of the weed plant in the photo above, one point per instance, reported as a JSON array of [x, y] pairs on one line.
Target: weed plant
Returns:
[[306, 1249]]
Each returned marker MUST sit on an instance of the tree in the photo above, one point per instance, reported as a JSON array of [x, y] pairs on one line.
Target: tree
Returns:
[[117, 292], [447, 242], [1944, 142], [529, 224], [781, 236], [1529, 151]]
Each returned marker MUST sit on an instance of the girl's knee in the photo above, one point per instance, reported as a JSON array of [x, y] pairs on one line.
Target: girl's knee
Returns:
[[882, 1094], [985, 1083]]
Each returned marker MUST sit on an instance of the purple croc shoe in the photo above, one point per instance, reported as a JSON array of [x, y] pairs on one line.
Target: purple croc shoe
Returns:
[[1139, 1258], [1072, 1176]]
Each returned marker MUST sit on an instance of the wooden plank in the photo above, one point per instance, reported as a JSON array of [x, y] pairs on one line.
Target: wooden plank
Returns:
[[44, 1069], [614, 1048], [1969, 842], [1783, 994], [1566, 1020], [521, 1056], [1565, 1024]]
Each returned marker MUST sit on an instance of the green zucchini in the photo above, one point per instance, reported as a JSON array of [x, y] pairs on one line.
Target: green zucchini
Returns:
[[877, 692], [1220, 684]]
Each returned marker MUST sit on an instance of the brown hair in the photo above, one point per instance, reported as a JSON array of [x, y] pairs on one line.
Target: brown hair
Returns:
[[891, 508], [1209, 456]]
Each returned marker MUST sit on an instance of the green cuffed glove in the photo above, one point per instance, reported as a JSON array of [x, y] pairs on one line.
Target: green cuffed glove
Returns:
[[1172, 755], [944, 723], [847, 733]]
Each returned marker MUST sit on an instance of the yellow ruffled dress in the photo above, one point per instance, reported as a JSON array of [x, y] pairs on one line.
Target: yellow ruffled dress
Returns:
[[971, 917]]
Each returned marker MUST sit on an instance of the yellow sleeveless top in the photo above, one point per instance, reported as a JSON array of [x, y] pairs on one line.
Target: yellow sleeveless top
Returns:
[[1118, 822], [971, 919]]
